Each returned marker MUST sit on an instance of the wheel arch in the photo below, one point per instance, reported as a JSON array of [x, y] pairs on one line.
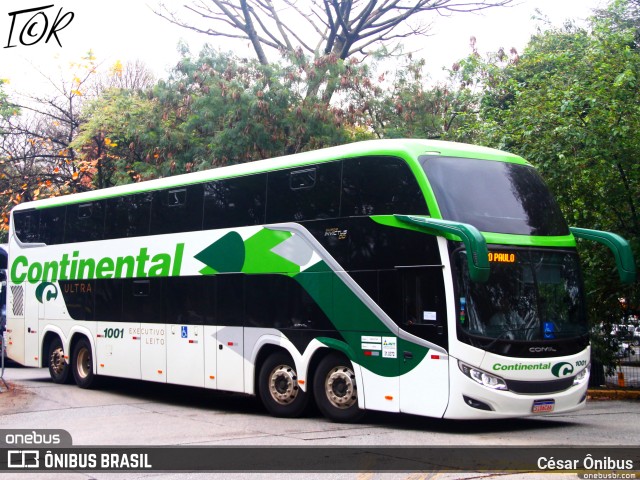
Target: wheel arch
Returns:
[[265, 351], [75, 336]]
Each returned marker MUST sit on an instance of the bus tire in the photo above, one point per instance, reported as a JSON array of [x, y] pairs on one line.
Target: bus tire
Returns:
[[278, 387], [59, 369], [82, 364], [335, 389]]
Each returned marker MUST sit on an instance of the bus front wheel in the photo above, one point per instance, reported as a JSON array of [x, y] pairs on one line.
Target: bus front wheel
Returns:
[[278, 387], [82, 364], [58, 367], [335, 389]]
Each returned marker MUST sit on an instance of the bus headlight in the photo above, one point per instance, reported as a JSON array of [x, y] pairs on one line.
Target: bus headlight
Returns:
[[482, 377], [584, 374]]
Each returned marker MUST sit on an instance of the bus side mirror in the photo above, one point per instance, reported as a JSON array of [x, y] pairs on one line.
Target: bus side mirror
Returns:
[[619, 246], [474, 242]]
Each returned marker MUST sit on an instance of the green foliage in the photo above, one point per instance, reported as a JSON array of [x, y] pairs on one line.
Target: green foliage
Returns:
[[7, 109], [214, 110], [571, 105]]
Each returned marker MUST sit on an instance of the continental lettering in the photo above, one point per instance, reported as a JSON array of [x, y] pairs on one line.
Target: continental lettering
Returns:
[[521, 366], [73, 267]]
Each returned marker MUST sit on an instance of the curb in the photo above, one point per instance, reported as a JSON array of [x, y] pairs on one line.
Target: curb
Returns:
[[613, 394]]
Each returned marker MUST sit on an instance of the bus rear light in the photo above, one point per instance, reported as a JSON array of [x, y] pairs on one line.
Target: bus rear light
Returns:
[[482, 377], [388, 397]]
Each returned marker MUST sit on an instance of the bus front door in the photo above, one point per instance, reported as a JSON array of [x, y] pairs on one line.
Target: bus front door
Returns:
[[424, 379]]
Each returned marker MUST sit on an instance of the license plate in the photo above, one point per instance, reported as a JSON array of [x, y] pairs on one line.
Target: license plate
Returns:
[[543, 406]]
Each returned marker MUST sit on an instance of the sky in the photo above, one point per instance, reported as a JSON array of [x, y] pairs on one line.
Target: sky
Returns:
[[119, 30]]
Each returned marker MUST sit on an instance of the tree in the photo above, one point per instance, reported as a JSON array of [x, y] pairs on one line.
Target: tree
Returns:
[[38, 131], [214, 110], [326, 30], [570, 104]]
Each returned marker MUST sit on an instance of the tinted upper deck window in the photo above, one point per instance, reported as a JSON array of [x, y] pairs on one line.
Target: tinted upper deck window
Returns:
[[235, 202], [494, 196], [308, 193], [380, 186], [177, 210], [128, 216]]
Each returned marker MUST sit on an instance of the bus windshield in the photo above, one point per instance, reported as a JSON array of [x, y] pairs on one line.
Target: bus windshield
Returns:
[[531, 295], [494, 196]]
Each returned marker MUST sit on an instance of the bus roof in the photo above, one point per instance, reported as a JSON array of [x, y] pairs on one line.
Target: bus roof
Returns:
[[404, 148]]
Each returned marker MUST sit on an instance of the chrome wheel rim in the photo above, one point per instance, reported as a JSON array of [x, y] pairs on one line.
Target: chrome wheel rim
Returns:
[[283, 384], [340, 387]]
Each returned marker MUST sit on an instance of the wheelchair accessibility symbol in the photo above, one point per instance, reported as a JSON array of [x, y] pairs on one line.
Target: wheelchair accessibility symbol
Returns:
[[184, 331]]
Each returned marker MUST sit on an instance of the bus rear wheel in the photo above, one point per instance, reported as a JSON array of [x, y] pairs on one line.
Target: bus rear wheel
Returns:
[[59, 369], [335, 389], [278, 387], [82, 364]]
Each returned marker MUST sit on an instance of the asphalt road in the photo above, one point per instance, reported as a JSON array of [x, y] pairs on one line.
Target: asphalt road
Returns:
[[126, 412]]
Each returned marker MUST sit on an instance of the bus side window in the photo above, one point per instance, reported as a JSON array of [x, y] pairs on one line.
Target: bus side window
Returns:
[[142, 300], [307, 193], [26, 224], [278, 301], [380, 186], [85, 222], [235, 202], [177, 210], [230, 300], [188, 300], [128, 216], [108, 300], [52, 225]]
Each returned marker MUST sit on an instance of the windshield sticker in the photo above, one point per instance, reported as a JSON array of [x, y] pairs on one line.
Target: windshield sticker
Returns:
[[429, 316]]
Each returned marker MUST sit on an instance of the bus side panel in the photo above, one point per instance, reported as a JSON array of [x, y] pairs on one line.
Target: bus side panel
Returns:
[[15, 333], [210, 357], [425, 389], [31, 327], [185, 355], [230, 358], [153, 352], [379, 393], [118, 349]]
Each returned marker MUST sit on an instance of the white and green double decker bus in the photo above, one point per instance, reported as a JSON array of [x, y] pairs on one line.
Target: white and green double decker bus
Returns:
[[425, 277]]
